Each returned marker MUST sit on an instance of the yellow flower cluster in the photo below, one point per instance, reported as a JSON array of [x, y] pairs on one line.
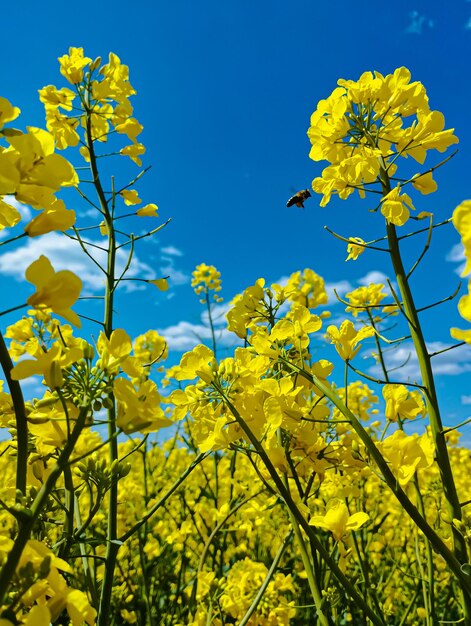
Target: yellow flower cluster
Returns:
[[110, 83], [363, 127], [307, 510], [32, 173], [206, 278], [462, 223]]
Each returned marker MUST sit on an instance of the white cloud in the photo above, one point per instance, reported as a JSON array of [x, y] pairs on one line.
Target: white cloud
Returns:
[[23, 210], [185, 336], [218, 314], [467, 26], [168, 268], [403, 364], [375, 276], [176, 277], [417, 23], [171, 251], [465, 399], [456, 255], [342, 287], [65, 253]]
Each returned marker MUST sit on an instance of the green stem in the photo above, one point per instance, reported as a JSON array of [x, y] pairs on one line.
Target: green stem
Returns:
[[437, 543], [211, 324], [313, 584], [69, 506], [433, 411], [303, 523], [20, 416], [112, 543], [164, 498], [30, 516], [427, 587], [256, 601], [307, 562], [207, 545], [87, 564]]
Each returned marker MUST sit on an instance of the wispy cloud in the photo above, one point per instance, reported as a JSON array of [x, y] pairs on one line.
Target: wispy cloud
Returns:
[[465, 399], [168, 266], [342, 287], [176, 276], [467, 26], [65, 253], [417, 22], [218, 314], [456, 255], [186, 335], [403, 364], [171, 251], [375, 276]]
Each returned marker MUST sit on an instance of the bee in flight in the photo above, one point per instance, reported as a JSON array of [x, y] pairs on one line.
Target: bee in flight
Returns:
[[299, 198]]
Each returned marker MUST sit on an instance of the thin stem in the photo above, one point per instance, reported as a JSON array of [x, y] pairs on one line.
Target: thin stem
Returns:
[[163, 499], [436, 541], [211, 324], [112, 545], [441, 451], [256, 601], [31, 515], [350, 589], [14, 308], [20, 417]]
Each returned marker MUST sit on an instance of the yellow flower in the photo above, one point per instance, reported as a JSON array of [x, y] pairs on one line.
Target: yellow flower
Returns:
[[160, 283], [407, 453], [339, 521], [131, 128], [346, 338], [63, 129], [150, 210], [353, 249], [464, 308], [245, 309], [133, 152], [53, 98], [462, 222], [205, 278], [139, 409], [199, 362], [72, 64], [130, 197], [9, 216], [150, 347], [55, 218], [424, 183], [113, 351], [44, 361], [38, 616], [306, 288], [365, 297], [395, 206], [8, 112], [402, 403], [54, 290]]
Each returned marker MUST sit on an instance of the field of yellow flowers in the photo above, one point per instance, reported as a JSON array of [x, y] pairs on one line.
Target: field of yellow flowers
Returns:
[[278, 496]]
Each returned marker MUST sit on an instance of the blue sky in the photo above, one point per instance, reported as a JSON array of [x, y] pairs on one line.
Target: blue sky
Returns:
[[225, 91]]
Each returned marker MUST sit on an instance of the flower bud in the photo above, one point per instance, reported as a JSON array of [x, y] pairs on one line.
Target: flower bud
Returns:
[[95, 64], [56, 379]]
